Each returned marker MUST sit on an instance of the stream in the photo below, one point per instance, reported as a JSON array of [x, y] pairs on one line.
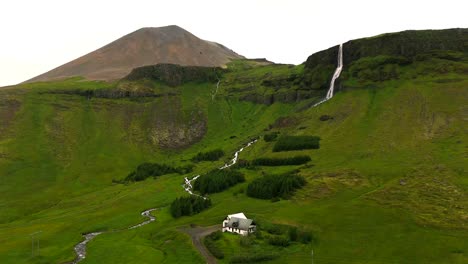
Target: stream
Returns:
[[80, 248], [188, 186]]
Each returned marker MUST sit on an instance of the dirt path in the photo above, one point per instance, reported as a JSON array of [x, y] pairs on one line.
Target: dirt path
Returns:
[[197, 234]]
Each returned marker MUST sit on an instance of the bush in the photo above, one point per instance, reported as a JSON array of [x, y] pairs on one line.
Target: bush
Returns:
[[246, 241], [255, 257], [147, 170], [215, 235], [296, 160], [270, 136], [270, 186], [189, 205], [305, 237], [212, 155], [279, 241], [218, 180], [287, 143], [292, 233], [213, 248]]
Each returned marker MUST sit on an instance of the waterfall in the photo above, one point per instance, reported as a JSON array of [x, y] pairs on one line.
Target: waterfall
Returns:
[[335, 76]]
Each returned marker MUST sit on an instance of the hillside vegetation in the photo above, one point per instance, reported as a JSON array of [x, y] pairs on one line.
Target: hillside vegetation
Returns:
[[386, 184]]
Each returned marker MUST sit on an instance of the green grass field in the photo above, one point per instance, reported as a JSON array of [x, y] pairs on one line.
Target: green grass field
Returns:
[[388, 184]]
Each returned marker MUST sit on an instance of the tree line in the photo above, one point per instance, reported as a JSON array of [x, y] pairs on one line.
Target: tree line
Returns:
[[296, 160], [287, 143], [212, 155], [218, 180], [189, 205], [147, 170], [274, 186]]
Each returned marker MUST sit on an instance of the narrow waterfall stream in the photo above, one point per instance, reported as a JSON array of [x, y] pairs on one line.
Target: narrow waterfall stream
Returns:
[[336, 75], [188, 186]]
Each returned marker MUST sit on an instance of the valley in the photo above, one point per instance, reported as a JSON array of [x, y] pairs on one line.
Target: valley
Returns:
[[387, 183]]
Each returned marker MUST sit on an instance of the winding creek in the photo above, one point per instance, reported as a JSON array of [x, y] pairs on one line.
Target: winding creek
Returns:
[[80, 248], [188, 184]]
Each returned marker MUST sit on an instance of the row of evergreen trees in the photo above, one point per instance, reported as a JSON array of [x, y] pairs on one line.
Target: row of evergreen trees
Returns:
[[274, 186], [296, 160], [287, 143], [189, 205], [212, 155], [218, 180], [147, 169]]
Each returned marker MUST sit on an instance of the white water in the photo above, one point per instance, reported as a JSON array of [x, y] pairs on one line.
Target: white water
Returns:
[[337, 73], [188, 187], [80, 249], [213, 95]]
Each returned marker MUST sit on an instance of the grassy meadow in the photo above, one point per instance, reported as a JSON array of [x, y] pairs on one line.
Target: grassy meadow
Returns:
[[387, 185]]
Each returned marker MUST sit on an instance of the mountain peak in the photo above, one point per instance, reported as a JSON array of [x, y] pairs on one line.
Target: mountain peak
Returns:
[[145, 46]]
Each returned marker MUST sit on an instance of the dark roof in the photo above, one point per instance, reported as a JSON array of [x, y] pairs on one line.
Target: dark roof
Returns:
[[242, 224]]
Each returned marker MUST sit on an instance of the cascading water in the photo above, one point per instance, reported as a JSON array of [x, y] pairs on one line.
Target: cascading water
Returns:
[[335, 76], [188, 187]]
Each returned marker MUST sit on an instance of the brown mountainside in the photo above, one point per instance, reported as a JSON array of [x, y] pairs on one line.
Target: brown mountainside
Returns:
[[146, 46]]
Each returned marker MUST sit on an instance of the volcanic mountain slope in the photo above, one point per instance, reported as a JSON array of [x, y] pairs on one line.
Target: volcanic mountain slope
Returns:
[[146, 46]]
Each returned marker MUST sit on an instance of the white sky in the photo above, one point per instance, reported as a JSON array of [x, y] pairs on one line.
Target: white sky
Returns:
[[38, 35]]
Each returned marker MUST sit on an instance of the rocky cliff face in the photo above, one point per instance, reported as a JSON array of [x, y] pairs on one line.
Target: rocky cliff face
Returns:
[[405, 45], [175, 75]]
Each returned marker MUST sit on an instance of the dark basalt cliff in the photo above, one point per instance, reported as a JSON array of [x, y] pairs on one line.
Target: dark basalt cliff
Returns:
[[175, 75], [403, 46]]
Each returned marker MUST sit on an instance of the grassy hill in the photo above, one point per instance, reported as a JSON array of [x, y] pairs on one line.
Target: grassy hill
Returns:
[[387, 185]]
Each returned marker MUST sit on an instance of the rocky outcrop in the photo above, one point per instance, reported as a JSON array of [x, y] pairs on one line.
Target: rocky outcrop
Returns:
[[175, 75], [398, 48], [406, 44]]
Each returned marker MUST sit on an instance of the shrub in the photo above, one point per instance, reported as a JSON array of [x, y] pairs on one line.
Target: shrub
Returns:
[[254, 257], [279, 241], [218, 180], [212, 155], [270, 186], [270, 136], [305, 237], [287, 143], [246, 241], [147, 170], [213, 248], [216, 235], [189, 205], [292, 233], [296, 160]]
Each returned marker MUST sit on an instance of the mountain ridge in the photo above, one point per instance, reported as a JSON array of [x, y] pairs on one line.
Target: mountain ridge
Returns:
[[145, 46]]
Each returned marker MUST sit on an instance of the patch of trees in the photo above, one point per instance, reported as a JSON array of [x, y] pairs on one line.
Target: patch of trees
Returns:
[[212, 155], [287, 143], [254, 257], [296, 160], [283, 235], [273, 186], [210, 244], [218, 180], [270, 136], [146, 170], [189, 205]]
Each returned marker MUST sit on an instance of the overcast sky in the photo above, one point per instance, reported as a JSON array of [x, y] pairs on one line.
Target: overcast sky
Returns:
[[37, 36]]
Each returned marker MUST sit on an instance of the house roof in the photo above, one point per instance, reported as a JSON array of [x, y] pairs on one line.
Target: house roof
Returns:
[[240, 223], [238, 215]]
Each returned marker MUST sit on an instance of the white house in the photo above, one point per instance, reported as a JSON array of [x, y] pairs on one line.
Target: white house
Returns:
[[239, 223]]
